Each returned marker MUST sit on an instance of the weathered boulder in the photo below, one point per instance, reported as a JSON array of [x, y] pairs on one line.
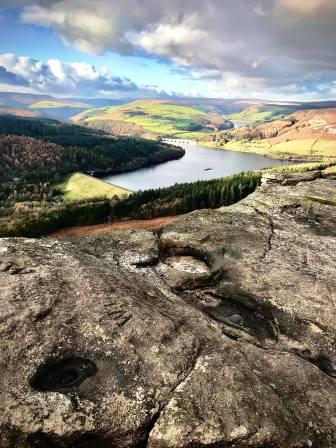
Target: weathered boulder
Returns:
[[218, 331]]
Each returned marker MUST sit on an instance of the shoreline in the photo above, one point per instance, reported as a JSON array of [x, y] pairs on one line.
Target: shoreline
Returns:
[[101, 174], [257, 150]]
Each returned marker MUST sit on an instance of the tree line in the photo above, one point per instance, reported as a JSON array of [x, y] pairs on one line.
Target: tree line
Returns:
[[175, 200], [36, 155], [83, 148]]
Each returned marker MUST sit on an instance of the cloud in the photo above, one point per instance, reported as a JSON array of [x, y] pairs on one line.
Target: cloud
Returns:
[[309, 7], [229, 84], [63, 78], [262, 42], [10, 78], [175, 40]]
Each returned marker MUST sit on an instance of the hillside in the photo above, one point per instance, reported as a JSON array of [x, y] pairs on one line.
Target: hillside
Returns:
[[7, 110], [91, 150], [309, 134], [24, 156], [26, 104], [58, 109], [258, 112], [22, 100], [159, 117], [35, 161], [32, 105], [55, 103], [80, 186], [119, 127], [124, 123]]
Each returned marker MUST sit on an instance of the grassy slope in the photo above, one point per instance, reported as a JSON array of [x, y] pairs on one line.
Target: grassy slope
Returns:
[[156, 117], [260, 113], [302, 148], [313, 135], [79, 186]]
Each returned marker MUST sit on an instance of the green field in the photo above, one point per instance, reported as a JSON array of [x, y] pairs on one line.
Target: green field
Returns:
[[156, 117], [303, 148], [261, 113], [79, 186], [325, 147]]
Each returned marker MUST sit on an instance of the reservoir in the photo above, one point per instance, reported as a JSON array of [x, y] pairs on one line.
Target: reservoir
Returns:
[[199, 163]]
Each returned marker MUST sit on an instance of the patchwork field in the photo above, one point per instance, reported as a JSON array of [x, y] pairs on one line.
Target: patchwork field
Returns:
[[158, 117], [262, 113], [309, 134], [79, 186], [305, 148]]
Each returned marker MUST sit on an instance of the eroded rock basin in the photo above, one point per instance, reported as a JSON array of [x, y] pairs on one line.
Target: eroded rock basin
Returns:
[[218, 332], [187, 264]]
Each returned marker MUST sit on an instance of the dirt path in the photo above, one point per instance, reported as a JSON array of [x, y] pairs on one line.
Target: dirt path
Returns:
[[150, 224]]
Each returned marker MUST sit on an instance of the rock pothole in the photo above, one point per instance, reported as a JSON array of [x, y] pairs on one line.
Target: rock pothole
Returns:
[[321, 361], [188, 264], [237, 312], [64, 374], [240, 318], [186, 272]]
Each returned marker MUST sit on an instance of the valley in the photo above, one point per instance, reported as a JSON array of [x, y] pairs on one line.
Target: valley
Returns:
[[154, 117], [168, 224], [43, 162], [280, 130], [198, 163], [123, 161], [305, 135]]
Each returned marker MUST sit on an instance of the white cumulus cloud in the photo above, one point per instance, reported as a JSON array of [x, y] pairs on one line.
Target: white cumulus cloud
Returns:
[[66, 78], [261, 42]]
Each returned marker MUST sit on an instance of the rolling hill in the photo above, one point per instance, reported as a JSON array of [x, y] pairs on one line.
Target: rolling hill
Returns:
[[264, 112], [150, 118], [257, 112], [87, 149], [307, 134], [59, 109], [40, 160], [34, 105], [18, 112], [156, 117], [56, 104]]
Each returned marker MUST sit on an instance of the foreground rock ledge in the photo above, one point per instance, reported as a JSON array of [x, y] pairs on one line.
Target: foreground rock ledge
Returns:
[[218, 332]]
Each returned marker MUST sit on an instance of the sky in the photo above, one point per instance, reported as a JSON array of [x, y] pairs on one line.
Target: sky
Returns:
[[267, 49]]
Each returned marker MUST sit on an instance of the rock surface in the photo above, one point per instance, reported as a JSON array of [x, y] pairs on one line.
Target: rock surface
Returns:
[[217, 332]]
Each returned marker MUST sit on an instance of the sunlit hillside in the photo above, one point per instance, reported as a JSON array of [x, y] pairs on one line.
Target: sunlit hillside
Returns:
[[163, 118]]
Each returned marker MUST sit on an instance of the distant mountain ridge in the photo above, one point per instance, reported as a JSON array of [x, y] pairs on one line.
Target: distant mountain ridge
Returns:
[[219, 105], [49, 106], [173, 117], [163, 118]]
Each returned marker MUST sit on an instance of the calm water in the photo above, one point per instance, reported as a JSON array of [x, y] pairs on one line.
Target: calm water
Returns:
[[199, 163]]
